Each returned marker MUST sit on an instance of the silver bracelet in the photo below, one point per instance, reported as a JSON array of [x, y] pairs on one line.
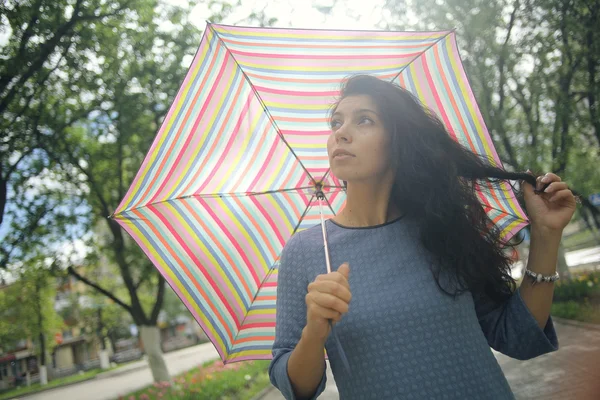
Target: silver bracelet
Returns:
[[538, 278]]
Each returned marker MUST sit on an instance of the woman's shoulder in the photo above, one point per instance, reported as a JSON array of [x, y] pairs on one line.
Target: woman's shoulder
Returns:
[[306, 240]]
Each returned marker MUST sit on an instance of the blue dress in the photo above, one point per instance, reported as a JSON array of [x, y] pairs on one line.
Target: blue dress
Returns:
[[403, 337]]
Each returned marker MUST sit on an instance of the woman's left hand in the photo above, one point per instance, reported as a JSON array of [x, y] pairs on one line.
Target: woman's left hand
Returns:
[[551, 210]]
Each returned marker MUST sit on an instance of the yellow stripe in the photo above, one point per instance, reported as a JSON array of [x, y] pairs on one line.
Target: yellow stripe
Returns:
[[479, 128], [265, 311], [164, 132], [279, 167], [281, 214], [295, 106], [199, 145], [241, 151], [367, 36], [140, 237], [510, 227], [318, 68], [464, 93], [206, 253], [243, 231], [245, 353], [415, 80]]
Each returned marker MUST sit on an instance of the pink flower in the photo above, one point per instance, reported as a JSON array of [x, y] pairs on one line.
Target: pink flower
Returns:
[[144, 397], [131, 397]]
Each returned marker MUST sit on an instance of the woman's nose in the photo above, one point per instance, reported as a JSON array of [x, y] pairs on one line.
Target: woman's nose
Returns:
[[342, 134]]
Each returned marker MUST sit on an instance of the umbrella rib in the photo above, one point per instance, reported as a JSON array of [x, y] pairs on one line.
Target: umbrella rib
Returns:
[[423, 52], [215, 195], [262, 103]]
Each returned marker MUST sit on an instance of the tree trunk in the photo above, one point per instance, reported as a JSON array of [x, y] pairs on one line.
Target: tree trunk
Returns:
[[151, 339], [43, 372], [43, 375]]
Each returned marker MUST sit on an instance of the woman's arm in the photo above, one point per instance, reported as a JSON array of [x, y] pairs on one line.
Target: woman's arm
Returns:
[[543, 255], [306, 365], [550, 211]]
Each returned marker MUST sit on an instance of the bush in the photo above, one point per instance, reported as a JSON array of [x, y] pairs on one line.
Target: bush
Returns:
[[584, 286], [214, 381], [584, 312]]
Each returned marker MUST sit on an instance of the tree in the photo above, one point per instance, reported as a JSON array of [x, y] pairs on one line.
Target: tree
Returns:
[[143, 63], [527, 65], [27, 309], [48, 43]]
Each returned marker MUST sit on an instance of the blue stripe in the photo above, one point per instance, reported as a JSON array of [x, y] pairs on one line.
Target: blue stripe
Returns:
[[303, 41], [213, 129], [241, 218], [171, 133], [191, 290], [339, 74], [201, 236]]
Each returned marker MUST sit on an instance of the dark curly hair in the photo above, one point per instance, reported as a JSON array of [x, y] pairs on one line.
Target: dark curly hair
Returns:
[[443, 177]]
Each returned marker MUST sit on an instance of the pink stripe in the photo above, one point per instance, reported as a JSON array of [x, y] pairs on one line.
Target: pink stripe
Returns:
[[306, 133], [189, 138], [177, 229], [304, 93], [174, 284], [232, 239], [436, 96], [372, 34], [269, 219], [263, 171], [323, 56], [461, 70], [227, 224], [169, 224], [225, 153]]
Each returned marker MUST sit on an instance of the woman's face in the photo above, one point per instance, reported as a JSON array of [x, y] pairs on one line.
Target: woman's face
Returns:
[[359, 146]]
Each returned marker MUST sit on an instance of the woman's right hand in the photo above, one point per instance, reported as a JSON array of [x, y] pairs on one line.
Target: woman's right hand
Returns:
[[327, 299]]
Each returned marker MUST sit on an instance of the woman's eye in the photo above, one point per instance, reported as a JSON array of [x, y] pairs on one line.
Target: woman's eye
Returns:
[[335, 124], [365, 120]]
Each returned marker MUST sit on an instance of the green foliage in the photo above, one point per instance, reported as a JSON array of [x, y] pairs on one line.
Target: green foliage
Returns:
[[213, 381], [27, 307], [584, 312], [50, 52], [580, 288], [534, 66]]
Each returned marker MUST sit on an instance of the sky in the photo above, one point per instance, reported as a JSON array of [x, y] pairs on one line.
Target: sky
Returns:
[[303, 13]]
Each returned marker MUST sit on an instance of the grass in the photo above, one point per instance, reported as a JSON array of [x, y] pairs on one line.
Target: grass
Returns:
[[212, 380], [584, 312], [578, 298], [582, 239], [36, 387]]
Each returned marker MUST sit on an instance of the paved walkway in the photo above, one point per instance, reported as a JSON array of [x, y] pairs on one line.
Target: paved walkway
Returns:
[[570, 373], [132, 377]]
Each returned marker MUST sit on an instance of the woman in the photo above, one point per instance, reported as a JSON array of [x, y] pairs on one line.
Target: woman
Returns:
[[423, 288]]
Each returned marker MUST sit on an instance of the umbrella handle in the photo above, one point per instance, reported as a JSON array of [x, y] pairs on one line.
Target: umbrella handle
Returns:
[[336, 339]]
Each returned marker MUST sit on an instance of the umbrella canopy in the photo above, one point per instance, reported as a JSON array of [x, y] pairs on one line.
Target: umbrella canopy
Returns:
[[233, 171]]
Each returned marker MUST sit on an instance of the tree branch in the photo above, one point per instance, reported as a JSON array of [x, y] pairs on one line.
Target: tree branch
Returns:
[[28, 231], [98, 288]]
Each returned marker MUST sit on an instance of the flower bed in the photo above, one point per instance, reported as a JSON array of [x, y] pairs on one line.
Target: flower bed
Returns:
[[214, 381], [578, 298]]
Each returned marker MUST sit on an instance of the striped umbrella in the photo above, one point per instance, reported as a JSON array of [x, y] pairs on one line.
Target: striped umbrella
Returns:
[[235, 167]]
